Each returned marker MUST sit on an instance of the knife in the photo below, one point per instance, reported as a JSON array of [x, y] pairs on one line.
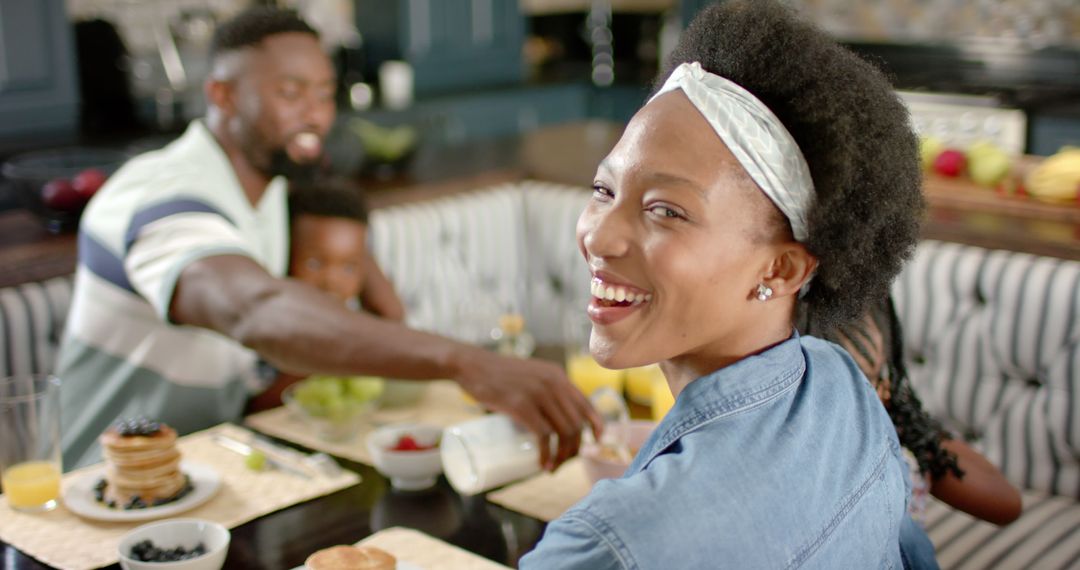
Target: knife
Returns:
[[246, 450]]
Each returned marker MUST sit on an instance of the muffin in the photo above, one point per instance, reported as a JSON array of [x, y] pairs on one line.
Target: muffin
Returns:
[[351, 558]]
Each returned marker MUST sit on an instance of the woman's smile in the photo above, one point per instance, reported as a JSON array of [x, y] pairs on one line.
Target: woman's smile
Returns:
[[612, 302]]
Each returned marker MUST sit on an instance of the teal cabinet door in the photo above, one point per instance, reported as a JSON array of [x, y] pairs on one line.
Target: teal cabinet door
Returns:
[[38, 91], [451, 44]]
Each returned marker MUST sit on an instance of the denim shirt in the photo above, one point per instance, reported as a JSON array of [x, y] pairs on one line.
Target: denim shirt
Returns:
[[785, 459]]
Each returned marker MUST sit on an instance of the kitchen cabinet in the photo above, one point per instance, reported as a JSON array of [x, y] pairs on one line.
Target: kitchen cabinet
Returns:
[[451, 44], [38, 86]]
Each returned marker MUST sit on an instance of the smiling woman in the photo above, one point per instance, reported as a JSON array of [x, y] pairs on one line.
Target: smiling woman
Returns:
[[771, 172]]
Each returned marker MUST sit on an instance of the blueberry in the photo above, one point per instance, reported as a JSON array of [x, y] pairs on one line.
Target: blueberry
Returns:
[[137, 426], [146, 551]]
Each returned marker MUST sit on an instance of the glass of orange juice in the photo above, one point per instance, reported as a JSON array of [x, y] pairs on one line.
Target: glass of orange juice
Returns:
[[30, 441]]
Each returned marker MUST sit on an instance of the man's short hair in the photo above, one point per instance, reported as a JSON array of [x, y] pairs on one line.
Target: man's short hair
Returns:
[[252, 26], [328, 197]]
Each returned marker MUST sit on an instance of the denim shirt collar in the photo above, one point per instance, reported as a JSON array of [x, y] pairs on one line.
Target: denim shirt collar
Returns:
[[745, 384]]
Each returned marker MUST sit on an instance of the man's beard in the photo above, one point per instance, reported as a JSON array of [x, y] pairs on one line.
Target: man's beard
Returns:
[[282, 165]]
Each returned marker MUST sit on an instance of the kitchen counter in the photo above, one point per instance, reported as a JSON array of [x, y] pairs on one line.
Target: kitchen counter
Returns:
[[568, 154]]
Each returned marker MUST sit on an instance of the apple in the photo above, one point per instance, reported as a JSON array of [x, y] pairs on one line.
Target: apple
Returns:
[[929, 149], [59, 194], [88, 182], [989, 167], [950, 162]]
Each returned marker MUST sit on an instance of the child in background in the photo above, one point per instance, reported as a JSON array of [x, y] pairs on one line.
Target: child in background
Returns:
[[328, 249], [948, 468]]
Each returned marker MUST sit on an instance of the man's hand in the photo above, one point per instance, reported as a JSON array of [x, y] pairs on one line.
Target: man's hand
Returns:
[[536, 394]]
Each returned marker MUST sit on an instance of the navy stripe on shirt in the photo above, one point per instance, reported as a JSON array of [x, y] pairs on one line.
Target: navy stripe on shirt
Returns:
[[102, 262], [161, 210]]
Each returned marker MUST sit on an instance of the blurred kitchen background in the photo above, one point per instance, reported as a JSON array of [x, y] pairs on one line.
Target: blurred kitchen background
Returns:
[[128, 73]]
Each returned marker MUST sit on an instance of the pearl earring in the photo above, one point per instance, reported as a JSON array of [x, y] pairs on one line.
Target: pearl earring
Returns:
[[764, 292]]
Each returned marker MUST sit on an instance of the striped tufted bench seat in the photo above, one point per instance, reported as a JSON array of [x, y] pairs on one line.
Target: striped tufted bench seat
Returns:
[[32, 319], [992, 340]]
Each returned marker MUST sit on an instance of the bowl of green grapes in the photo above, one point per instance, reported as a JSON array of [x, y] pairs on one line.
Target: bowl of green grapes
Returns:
[[334, 406]]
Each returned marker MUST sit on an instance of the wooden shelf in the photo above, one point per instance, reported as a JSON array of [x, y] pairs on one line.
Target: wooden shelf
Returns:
[[963, 194]]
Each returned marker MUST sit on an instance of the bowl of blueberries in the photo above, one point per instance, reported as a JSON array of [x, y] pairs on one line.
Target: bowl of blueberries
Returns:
[[182, 544]]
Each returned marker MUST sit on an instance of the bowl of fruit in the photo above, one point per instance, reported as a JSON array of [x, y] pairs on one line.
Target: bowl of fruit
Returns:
[[387, 150], [334, 406], [56, 184], [408, 454]]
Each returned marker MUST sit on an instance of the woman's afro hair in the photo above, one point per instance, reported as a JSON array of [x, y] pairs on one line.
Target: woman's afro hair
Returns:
[[850, 125]]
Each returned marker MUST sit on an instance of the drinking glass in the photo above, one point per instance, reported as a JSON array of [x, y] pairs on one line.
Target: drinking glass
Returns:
[[481, 454], [30, 441]]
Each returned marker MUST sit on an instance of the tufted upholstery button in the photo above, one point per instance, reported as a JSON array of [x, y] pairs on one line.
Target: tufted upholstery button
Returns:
[[1034, 382], [980, 299], [918, 358], [556, 283]]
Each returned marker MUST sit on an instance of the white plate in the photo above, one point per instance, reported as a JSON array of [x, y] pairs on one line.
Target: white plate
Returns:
[[79, 496]]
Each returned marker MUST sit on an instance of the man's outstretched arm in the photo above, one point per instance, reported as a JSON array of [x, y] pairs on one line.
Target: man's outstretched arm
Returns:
[[297, 327]]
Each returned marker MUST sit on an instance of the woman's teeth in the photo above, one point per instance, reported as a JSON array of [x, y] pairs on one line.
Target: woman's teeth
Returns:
[[617, 294]]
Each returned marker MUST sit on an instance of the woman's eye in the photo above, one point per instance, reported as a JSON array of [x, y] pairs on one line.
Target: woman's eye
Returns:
[[665, 212], [312, 264], [602, 193]]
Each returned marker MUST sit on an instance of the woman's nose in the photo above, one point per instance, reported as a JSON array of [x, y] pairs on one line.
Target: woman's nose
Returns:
[[604, 233]]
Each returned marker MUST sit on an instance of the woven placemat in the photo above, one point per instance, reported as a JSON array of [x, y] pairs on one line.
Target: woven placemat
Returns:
[[546, 496], [442, 404], [64, 540], [427, 552]]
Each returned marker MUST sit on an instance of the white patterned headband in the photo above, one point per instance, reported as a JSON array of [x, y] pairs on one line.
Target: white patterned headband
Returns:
[[755, 136]]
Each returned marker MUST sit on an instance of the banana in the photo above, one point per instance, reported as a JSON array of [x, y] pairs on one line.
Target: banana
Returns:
[[1057, 179]]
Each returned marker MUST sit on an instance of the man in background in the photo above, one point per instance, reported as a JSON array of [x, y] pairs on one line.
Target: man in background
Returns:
[[182, 256]]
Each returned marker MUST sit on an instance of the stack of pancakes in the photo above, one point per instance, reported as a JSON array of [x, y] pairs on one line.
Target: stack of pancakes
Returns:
[[143, 466]]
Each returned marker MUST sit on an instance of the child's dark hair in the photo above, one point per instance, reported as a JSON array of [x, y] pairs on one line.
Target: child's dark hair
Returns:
[[850, 125], [328, 197], [918, 432], [252, 26]]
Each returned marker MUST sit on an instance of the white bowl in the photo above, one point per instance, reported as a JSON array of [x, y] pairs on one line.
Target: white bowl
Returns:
[[177, 532], [407, 470]]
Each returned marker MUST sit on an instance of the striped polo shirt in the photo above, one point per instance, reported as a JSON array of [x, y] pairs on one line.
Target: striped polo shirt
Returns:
[[121, 356]]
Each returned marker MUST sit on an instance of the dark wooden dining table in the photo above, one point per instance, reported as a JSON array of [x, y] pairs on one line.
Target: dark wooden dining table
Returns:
[[283, 539]]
